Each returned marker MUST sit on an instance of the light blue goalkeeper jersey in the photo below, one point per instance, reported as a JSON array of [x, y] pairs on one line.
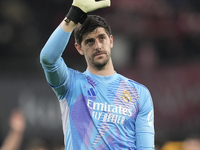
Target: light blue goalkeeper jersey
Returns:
[[98, 112]]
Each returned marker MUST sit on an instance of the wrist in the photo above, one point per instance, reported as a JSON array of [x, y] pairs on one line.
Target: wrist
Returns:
[[76, 15], [67, 27]]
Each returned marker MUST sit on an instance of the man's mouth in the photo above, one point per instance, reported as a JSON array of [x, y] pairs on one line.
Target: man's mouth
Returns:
[[98, 54]]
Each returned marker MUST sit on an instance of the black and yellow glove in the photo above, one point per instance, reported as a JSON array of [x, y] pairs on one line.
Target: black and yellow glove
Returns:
[[80, 8]]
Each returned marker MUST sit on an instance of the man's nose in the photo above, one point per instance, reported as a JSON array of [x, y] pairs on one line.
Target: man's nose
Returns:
[[97, 45]]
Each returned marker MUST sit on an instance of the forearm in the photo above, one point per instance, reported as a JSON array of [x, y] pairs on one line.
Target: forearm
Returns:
[[50, 56], [145, 141], [67, 27], [56, 44]]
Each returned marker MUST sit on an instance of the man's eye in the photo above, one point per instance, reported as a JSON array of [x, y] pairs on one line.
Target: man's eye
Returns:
[[102, 37], [89, 42]]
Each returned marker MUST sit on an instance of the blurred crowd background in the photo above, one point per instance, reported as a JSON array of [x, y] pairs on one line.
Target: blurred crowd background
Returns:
[[156, 43]]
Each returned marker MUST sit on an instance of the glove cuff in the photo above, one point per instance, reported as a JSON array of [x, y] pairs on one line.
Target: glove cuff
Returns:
[[76, 15]]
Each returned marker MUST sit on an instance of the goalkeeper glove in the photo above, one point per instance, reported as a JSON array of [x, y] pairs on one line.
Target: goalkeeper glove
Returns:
[[80, 8]]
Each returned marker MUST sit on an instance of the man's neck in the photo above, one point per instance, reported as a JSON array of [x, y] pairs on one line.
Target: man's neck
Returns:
[[106, 71]]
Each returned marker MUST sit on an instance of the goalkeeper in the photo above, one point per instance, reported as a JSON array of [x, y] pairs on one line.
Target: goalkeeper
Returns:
[[101, 109]]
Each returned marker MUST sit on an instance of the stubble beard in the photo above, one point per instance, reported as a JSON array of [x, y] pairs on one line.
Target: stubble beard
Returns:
[[99, 64]]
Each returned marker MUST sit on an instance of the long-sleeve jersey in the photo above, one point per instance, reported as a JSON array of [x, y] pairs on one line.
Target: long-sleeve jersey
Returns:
[[98, 112]]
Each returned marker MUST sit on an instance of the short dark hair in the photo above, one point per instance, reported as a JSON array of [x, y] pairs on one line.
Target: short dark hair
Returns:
[[91, 23]]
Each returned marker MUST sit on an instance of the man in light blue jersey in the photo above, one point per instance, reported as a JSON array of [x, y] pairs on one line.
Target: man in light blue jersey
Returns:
[[101, 109]]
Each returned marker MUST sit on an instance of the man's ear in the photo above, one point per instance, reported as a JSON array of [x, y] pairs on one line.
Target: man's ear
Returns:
[[79, 49], [111, 41]]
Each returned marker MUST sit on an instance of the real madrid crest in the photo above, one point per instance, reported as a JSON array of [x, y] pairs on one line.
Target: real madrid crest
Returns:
[[126, 97]]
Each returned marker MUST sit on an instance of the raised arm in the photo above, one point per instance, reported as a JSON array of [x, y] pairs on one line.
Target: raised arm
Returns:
[[50, 56], [14, 138]]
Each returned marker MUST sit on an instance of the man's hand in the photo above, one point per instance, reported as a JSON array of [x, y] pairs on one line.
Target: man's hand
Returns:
[[14, 138], [80, 8], [17, 121], [90, 5]]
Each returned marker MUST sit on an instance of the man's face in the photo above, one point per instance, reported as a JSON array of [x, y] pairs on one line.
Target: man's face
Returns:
[[96, 47]]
